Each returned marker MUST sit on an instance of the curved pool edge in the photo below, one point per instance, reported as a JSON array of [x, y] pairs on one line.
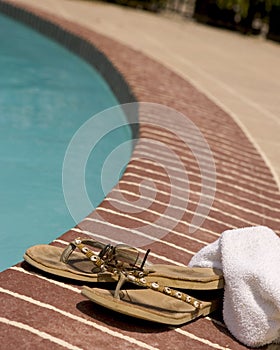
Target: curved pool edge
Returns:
[[44, 299], [51, 27]]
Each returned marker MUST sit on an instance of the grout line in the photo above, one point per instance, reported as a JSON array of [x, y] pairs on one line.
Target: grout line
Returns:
[[202, 340], [78, 319], [44, 335]]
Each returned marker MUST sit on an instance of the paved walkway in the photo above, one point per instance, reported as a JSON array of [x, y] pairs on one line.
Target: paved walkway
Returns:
[[158, 203], [239, 73]]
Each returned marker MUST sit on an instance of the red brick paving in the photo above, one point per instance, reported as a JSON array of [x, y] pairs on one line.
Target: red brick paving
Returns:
[[249, 197]]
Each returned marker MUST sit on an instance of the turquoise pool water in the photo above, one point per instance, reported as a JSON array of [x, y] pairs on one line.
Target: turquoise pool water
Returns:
[[46, 94]]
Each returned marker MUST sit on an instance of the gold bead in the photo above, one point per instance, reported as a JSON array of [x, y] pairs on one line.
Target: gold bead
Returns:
[[155, 285], [167, 290], [178, 295]]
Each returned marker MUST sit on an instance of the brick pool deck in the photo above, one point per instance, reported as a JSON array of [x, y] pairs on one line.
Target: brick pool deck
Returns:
[[39, 311]]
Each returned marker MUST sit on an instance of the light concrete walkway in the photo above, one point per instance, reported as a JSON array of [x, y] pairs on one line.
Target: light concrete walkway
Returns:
[[239, 73]]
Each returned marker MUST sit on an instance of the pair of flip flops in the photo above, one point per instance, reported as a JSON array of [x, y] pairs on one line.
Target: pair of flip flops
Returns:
[[150, 291]]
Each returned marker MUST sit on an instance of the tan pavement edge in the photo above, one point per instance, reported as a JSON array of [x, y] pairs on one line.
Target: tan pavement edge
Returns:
[[239, 73]]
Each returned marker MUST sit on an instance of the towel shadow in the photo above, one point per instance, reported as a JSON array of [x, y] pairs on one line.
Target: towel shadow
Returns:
[[272, 347], [217, 321], [120, 321]]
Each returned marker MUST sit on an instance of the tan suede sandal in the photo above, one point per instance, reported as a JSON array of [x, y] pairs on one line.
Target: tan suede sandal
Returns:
[[84, 265], [184, 277], [90, 266], [153, 302]]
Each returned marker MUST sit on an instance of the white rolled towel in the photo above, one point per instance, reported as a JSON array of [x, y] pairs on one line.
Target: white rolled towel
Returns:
[[250, 261]]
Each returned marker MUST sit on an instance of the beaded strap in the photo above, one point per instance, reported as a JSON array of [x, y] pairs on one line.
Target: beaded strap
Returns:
[[110, 258], [89, 254], [166, 290], [80, 244]]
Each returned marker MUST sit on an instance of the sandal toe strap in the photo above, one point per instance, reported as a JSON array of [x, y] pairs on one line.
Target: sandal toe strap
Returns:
[[81, 245], [109, 258], [197, 304]]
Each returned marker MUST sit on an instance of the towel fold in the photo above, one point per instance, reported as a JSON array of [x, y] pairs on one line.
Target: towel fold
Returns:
[[250, 261]]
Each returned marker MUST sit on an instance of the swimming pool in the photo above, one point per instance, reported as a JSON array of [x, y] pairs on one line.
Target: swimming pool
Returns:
[[46, 94]]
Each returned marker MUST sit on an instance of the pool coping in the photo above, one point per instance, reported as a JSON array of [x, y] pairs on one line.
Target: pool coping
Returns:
[[129, 84], [77, 45]]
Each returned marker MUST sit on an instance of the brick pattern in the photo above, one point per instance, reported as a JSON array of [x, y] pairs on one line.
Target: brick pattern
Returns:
[[39, 311]]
